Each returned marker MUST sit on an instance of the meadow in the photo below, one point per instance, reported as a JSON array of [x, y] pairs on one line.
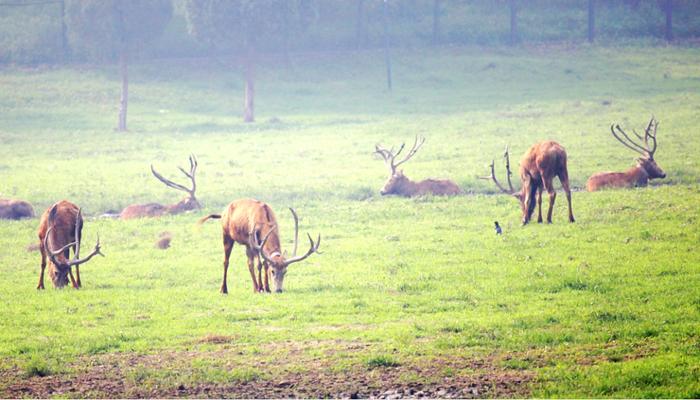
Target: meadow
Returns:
[[410, 296]]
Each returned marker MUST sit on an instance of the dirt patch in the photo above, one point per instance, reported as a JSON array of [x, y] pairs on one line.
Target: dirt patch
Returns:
[[216, 339], [293, 369]]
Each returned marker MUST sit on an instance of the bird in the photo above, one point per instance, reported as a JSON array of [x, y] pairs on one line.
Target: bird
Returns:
[[498, 228]]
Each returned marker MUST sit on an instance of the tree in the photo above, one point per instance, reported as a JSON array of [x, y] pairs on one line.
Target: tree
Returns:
[[115, 28], [243, 25], [360, 25], [436, 22], [513, 21], [668, 10], [591, 20]]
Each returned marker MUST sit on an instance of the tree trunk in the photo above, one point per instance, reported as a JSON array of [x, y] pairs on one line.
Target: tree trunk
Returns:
[[591, 21], [123, 103], [64, 36], [668, 9], [436, 22], [386, 45], [360, 34], [513, 22], [249, 101], [287, 33]]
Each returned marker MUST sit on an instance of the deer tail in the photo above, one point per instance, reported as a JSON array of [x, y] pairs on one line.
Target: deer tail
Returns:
[[208, 217]]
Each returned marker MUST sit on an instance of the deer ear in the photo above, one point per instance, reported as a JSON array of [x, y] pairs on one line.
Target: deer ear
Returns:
[[52, 212], [400, 173]]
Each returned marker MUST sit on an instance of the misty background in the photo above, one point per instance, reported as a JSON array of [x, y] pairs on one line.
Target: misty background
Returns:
[[59, 31]]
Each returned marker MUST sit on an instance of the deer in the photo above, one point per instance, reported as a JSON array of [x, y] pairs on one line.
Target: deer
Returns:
[[538, 167], [188, 203], [639, 175], [401, 185], [60, 229], [252, 224], [15, 209]]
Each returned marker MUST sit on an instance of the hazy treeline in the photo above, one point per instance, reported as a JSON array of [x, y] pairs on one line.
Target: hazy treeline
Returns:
[[34, 31]]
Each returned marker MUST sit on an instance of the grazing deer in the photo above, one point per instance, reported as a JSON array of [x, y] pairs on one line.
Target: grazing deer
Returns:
[[538, 167], [188, 203], [639, 175], [253, 224], [399, 184], [60, 230], [15, 209]]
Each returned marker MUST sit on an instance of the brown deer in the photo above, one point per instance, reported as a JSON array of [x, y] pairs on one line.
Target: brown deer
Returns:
[[188, 203], [400, 185], [253, 224], [638, 175], [60, 230], [15, 209], [538, 167]]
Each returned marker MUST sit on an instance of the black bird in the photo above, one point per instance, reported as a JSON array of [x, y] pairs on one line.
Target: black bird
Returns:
[[498, 228]]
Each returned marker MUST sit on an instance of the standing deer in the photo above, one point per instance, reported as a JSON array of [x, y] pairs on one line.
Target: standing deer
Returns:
[[538, 167], [188, 203], [15, 209], [399, 184], [60, 229], [638, 175], [253, 224]]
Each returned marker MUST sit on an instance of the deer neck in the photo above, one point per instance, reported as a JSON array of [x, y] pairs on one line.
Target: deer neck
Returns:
[[185, 204], [408, 187], [272, 245], [637, 174]]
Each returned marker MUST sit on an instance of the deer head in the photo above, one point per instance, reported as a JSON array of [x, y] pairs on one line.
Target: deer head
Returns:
[[642, 147], [277, 261], [396, 177], [519, 195], [59, 257], [190, 201]]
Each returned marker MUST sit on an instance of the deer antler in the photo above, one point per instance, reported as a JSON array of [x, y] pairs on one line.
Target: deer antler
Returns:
[[312, 249], [253, 240], [76, 260], [492, 177], [190, 175], [390, 157], [632, 145]]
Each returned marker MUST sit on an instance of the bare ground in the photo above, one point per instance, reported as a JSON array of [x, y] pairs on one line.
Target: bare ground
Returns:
[[293, 369]]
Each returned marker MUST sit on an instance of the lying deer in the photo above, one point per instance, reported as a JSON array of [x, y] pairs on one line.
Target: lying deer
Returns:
[[253, 224], [15, 209], [638, 175], [60, 230], [399, 184], [538, 167], [188, 203]]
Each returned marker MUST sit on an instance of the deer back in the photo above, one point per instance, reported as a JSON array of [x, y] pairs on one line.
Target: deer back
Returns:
[[15, 209], [63, 221], [244, 216]]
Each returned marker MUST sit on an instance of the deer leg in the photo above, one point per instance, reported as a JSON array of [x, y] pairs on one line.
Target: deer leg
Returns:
[[77, 276], [539, 206], [567, 190], [267, 276], [75, 251], [43, 267], [66, 254], [260, 277], [552, 197], [251, 267], [228, 246]]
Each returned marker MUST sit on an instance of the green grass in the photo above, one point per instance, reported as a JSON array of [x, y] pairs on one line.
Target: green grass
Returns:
[[608, 306]]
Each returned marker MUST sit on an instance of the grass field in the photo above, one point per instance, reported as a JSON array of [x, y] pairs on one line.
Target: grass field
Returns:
[[410, 296]]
